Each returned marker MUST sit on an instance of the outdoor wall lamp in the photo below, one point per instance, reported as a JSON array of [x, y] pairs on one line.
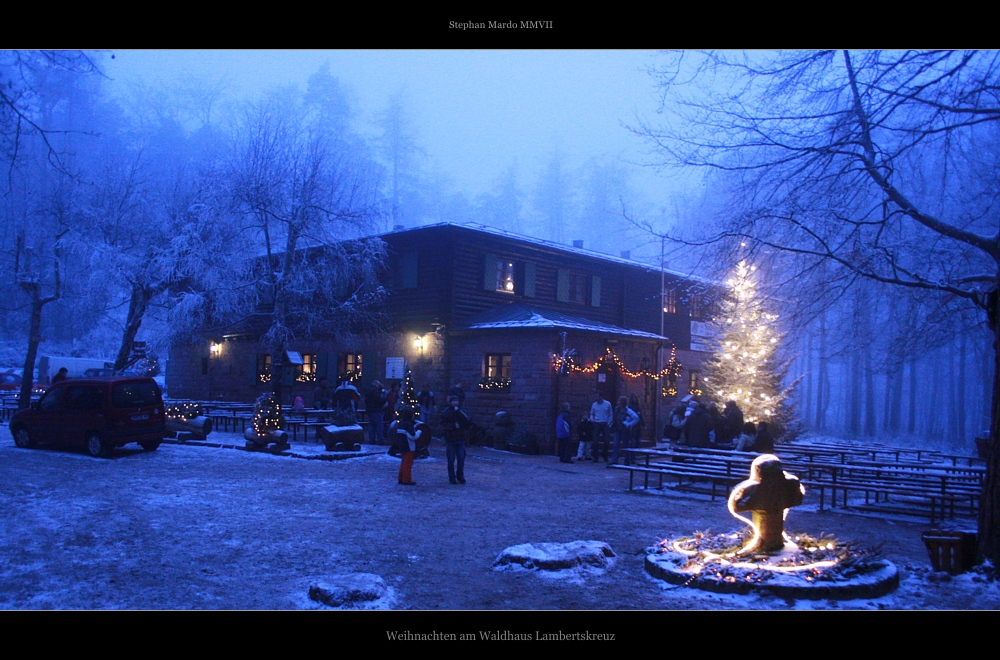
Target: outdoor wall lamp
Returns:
[[215, 349], [420, 343]]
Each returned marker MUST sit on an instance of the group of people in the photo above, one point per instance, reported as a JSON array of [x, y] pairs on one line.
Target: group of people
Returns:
[[410, 434], [694, 424], [603, 428]]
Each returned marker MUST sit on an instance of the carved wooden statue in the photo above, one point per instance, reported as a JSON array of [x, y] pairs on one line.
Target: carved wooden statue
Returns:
[[768, 493]]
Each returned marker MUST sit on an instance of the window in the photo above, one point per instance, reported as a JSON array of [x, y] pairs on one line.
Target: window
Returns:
[[696, 308], [670, 301], [496, 371], [694, 383], [51, 399], [349, 367], [505, 276], [574, 287], [306, 372], [82, 397], [263, 368]]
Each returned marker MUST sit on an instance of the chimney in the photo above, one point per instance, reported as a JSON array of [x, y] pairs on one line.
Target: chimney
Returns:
[[578, 243], [626, 254]]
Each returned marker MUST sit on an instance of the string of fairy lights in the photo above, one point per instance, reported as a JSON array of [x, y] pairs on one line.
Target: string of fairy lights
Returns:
[[267, 415], [183, 411], [672, 371]]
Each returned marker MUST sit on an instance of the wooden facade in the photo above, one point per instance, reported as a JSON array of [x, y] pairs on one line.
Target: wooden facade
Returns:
[[476, 306]]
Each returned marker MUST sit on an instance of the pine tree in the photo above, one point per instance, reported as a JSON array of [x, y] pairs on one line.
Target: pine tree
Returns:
[[744, 367], [408, 396]]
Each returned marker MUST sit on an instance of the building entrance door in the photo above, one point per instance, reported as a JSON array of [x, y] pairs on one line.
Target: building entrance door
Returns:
[[607, 382]]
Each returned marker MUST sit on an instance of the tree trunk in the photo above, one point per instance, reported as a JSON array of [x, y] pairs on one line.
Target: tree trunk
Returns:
[[137, 306], [35, 326], [911, 422], [871, 396], [960, 410], [823, 380]]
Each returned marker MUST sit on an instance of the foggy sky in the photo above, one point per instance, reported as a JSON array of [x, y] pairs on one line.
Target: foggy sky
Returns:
[[475, 112]]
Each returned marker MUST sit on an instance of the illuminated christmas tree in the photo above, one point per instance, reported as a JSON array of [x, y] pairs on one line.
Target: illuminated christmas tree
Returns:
[[744, 367], [408, 397]]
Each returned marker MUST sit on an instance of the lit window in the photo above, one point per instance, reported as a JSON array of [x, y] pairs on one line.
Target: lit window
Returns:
[[670, 301], [694, 383], [307, 370], [505, 276], [496, 371], [263, 368], [349, 367]]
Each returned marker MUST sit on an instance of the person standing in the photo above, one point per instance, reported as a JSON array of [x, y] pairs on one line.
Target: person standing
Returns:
[[407, 436], [459, 392], [455, 424], [625, 420], [564, 434], [763, 443], [346, 396], [636, 434], [321, 394], [697, 426], [602, 416], [585, 436], [425, 399], [733, 422], [60, 375], [375, 408]]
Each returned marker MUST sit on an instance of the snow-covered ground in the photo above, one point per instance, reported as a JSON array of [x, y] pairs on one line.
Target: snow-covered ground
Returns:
[[189, 527]]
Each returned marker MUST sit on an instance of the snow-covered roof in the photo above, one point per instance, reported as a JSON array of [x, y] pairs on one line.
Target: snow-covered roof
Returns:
[[510, 316], [472, 226]]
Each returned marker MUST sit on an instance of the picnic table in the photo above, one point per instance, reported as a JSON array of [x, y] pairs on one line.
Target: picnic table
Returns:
[[913, 485]]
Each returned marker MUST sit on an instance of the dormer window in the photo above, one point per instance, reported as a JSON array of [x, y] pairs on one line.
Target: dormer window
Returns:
[[505, 276]]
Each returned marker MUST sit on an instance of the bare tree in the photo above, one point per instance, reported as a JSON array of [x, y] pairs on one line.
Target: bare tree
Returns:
[[883, 164], [309, 196], [23, 75]]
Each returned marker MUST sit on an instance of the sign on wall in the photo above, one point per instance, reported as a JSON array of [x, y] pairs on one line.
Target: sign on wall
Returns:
[[395, 367]]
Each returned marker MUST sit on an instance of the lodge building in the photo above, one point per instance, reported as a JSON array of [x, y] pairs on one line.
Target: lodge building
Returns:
[[494, 312]]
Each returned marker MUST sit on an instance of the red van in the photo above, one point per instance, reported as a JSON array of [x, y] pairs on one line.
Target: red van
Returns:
[[98, 413]]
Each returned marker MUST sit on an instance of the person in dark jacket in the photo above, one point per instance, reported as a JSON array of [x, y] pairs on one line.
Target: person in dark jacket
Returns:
[[455, 425], [763, 443], [733, 422], [717, 431], [60, 375], [564, 434], [346, 396], [697, 426], [375, 409], [675, 422]]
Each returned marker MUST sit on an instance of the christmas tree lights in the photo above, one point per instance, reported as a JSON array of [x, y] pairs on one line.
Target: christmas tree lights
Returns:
[[744, 367]]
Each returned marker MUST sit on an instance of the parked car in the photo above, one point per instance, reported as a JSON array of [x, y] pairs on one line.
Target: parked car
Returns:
[[98, 373], [99, 414], [10, 383]]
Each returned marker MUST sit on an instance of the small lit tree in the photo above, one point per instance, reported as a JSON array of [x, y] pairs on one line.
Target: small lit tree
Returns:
[[408, 396], [744, 367]]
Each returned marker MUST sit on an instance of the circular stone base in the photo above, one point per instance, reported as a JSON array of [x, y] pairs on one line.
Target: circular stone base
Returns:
[[880, 578]]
